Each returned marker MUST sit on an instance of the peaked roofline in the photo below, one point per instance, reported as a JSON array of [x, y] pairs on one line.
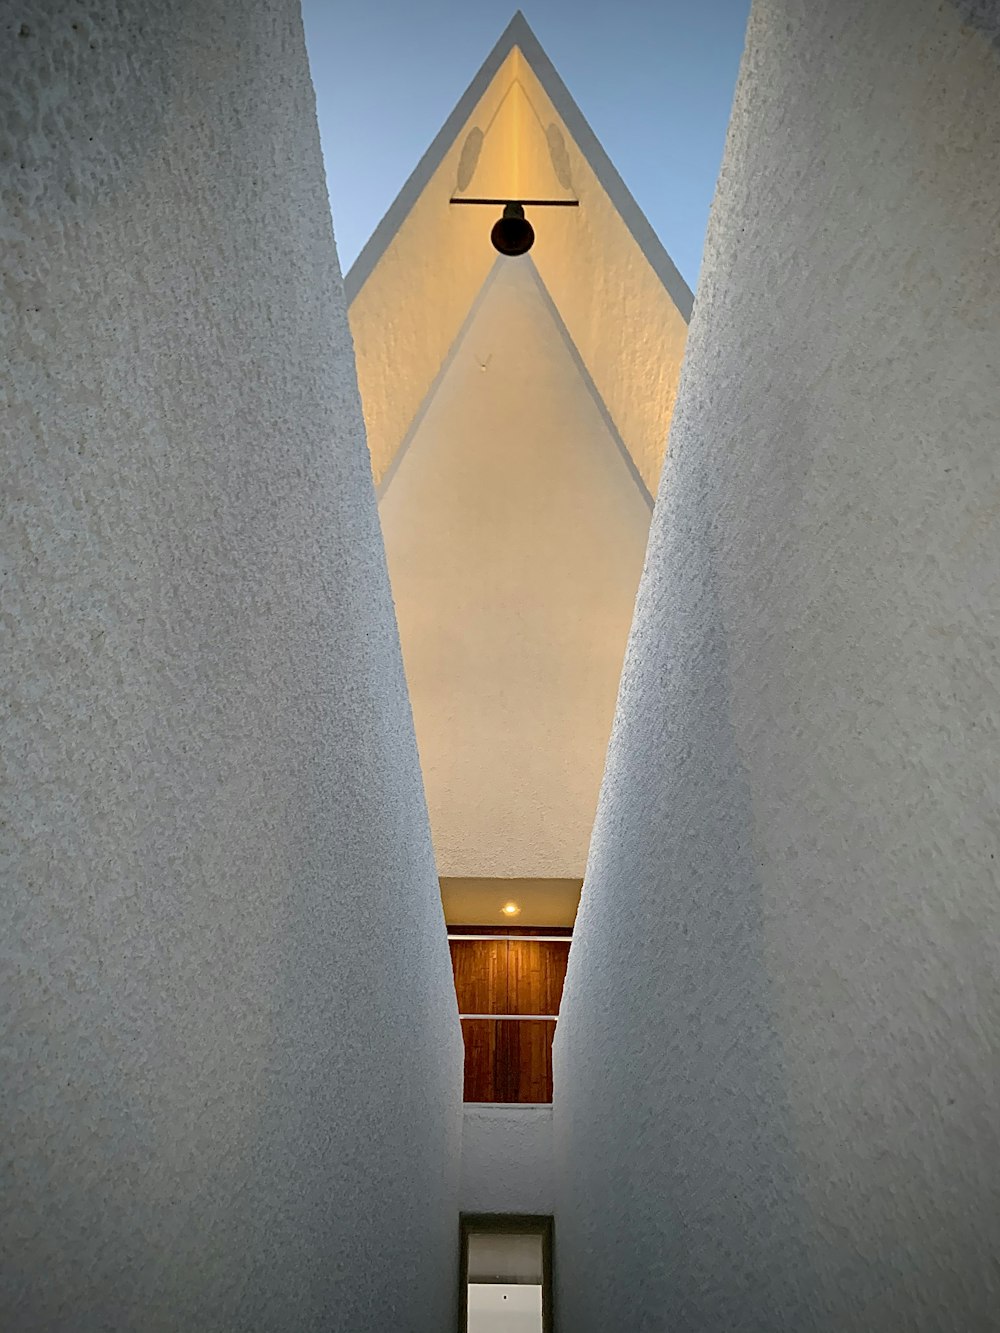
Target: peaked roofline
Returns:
[[519, 34]]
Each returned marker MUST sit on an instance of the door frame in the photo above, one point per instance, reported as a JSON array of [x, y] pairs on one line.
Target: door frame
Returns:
[[505, 1224]]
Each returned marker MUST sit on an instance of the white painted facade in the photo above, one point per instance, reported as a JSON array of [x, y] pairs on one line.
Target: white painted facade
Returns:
[[776, 1065], [231, 1069], [230, 1088], [506, 1159]]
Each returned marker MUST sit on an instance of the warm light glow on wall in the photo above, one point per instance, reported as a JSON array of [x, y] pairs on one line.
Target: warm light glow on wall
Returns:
[[408, 311], [511, 909]]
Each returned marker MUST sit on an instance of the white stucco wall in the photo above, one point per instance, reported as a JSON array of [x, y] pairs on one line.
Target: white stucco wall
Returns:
[[776, 1062], [506, 1159], [231, 1070], [408, 311], [600, 280], [515, 534]]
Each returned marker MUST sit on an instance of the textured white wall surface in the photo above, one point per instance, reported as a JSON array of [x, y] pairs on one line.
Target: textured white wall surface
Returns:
[[506, 1159], [231, 1070], [515, 534], [776, 1080], [410, 308], [601, 280]]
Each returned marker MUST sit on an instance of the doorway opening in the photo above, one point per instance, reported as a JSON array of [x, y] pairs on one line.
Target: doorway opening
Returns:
[[508, 982], [505, 1273], [509, 941]]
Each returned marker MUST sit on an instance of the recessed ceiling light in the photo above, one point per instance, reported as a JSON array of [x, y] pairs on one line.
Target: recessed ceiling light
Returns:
[[510, 909]]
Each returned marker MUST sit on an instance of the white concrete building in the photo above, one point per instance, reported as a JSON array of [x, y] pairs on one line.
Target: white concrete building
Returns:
[[240, 814]]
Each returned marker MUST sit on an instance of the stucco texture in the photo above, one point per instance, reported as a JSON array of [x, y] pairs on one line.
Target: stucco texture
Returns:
[[506, 1159], [776, 1061], [410, 308], [600, 280], [231, 1066]]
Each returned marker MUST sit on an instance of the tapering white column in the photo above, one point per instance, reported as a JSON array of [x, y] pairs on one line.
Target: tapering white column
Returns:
[[231, 1069], [777, 1059]]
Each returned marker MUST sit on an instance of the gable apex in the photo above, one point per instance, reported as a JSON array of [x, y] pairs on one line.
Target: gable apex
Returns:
[[518, 35], [517, 134]]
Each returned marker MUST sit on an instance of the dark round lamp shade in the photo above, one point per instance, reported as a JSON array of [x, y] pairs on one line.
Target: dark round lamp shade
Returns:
[[513, 234]]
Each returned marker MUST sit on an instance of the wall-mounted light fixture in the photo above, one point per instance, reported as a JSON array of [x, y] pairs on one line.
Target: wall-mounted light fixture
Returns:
[[512, 233]]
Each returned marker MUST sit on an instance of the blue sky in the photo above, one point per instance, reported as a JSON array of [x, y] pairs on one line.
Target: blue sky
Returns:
[[654, 79]]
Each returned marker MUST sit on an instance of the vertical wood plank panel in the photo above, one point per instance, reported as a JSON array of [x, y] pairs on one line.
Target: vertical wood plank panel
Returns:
[[509, 1061], [528, 1052], [480, 976], [481, 1061], [536, 973]]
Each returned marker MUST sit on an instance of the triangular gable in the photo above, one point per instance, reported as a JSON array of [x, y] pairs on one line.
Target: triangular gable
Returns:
[[516, 132]]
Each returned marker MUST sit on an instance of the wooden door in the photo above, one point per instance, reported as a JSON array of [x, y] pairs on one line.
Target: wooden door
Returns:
[[481, 987], [536, 970], [509, 1060]]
